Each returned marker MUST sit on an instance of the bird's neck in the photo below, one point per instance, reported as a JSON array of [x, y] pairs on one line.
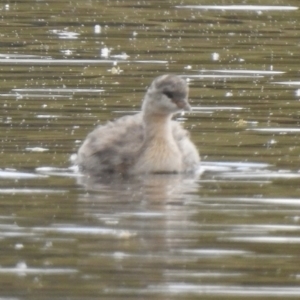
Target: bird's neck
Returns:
[[157, 127], [159, 152]]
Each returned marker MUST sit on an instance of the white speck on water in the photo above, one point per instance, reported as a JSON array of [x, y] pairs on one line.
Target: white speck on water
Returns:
[[6, 7], [63, 34], [272, 142], [119, 255], [296, 219], [47, 116], [73, 157], [188, 67], [228, 94], [134, 34], [19, 96], [215, 56], [297, 92], [21, 265], [97, 29], [67, 52], [36, 149], [19, 246], [48, 245], [115, 70], [123, 55], [105, 52]]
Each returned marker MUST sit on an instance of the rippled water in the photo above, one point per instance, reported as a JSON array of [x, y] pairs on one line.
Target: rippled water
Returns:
[[231, 232]]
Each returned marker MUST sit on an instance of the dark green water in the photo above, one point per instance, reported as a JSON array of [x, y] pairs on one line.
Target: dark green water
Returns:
[[231, 233]]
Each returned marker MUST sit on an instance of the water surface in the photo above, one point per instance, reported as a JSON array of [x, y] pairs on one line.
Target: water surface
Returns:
[[231, 232]]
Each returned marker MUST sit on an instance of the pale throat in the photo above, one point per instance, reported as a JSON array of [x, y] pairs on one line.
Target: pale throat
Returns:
[[160, 147], [158, 126], [159, 152]]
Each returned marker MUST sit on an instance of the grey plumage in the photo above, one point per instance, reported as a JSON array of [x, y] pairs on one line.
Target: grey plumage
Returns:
[[147, 142]]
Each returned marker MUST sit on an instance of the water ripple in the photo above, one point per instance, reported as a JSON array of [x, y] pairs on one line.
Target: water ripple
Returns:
[[241, 7]]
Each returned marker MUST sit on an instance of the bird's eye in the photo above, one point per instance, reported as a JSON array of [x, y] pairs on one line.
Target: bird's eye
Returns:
[[168, 94]]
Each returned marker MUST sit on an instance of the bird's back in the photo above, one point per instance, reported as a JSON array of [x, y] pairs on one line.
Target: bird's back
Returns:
[[111, 147]]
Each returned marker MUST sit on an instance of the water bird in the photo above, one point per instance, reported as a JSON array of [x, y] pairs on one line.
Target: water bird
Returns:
[[147, 142]]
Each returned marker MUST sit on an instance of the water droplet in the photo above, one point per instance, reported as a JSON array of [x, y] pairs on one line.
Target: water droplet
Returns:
[[97, 29], [215, 56]]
